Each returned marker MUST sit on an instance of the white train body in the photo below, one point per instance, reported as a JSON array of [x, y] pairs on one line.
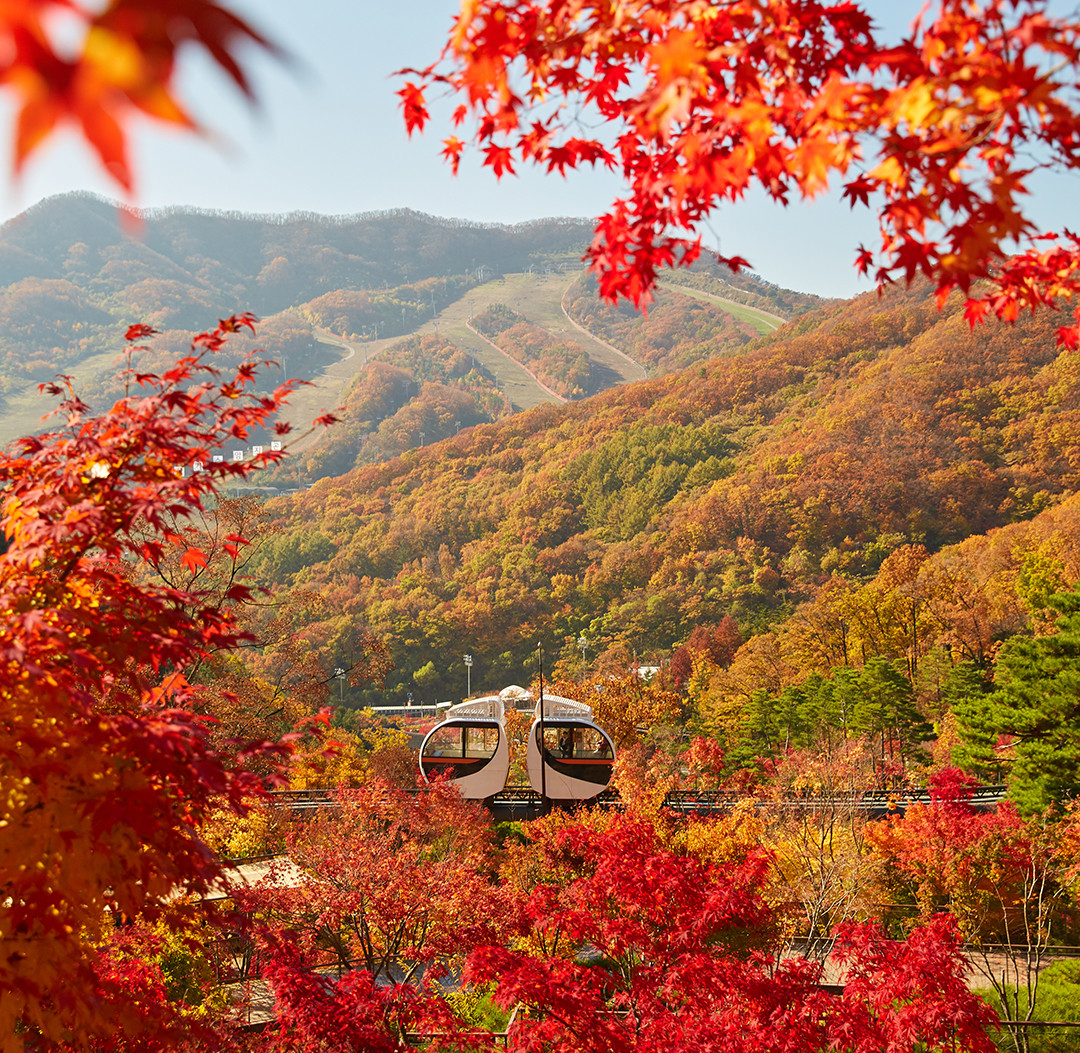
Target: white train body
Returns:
[[469, 748], [574, 762]]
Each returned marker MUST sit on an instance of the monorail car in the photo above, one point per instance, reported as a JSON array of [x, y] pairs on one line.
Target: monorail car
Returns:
[[574, 759], [469, 748]]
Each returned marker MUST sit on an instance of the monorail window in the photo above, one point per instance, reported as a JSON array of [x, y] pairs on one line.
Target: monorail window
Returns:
[[445, 742], [576, 743], [557, 741], [588, 742], [481, 742]]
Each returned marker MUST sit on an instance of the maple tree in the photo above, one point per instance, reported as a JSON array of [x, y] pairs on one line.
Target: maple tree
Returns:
[[390, 882], [660, 949], [625, 705], [107, 770], [96, 66], [695, 103], [1007, 881], [239, 688], [718, 643], [823, 869], [350, 1013]]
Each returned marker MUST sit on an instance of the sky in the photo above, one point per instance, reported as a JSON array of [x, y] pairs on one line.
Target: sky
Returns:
[[327, 137]]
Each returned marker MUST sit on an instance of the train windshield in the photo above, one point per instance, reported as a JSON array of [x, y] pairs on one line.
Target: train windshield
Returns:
[[478, 742], [575, 743]]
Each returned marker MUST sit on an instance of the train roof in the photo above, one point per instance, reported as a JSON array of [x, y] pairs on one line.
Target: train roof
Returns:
[[556, 707], [489, 707]]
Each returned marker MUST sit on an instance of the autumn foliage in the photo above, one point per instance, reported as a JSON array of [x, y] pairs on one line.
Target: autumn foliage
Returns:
[[123, 65], [696, 103], [651, 947], [396, 883], [106, 768], [612, 931]]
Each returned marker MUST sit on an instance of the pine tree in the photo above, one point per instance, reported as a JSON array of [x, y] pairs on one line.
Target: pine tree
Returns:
[[887, 710], [1037, 705], [966, 692]]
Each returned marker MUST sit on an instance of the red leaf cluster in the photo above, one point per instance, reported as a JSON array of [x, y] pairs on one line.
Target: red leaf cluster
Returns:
[[123, 64], [106, 770], [697, 103], [651, 948]]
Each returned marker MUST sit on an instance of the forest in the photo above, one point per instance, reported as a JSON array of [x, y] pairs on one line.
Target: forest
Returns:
[[74, 277], [847, 445], [825, 578], [331, 292], [841, 605]]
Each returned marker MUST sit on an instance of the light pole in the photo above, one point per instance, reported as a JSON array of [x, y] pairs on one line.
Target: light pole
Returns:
[[468, 676], [543, 738], [582, 643], [339, 676]]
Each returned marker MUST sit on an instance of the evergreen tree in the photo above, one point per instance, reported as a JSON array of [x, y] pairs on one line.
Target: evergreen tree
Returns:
[[1037, 706], [965, 692], [759, 720], [793, 730], [887, 711]]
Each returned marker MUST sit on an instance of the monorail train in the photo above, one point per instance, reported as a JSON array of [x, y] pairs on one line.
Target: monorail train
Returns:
[[571, 759], [470, 748]]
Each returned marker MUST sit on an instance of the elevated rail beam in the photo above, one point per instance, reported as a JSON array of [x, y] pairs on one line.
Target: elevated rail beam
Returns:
[[522, 802]]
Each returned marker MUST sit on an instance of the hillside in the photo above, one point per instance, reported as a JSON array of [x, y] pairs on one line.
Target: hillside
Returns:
[[333, 292], [735, 487]]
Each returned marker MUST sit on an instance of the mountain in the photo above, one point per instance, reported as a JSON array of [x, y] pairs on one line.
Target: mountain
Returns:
[[333, 292], [518, 461], [261, 263], [735, 487]]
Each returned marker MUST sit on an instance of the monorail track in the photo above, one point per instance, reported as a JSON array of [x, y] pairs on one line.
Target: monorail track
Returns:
[[522, 802]]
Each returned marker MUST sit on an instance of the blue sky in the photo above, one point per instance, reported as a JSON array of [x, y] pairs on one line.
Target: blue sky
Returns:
[[327, 138]]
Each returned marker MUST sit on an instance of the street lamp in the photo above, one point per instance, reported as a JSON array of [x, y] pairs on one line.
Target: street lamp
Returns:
[[468, 675], [582, 643], [339, 675]]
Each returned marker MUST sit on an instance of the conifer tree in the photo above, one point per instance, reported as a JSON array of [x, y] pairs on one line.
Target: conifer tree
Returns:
[[886, 710], [965, 689], [1037, 706]]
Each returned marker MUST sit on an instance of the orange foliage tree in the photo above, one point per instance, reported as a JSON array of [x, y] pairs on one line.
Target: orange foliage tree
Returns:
[[1007, 881], [390, 882], [96, 66], [695, 103], [107, 768]]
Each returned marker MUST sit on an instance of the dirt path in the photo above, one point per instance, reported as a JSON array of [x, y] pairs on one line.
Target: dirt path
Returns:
[[325, 392], [539, 297], [522, 389], [633, 365], [541, 300]]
